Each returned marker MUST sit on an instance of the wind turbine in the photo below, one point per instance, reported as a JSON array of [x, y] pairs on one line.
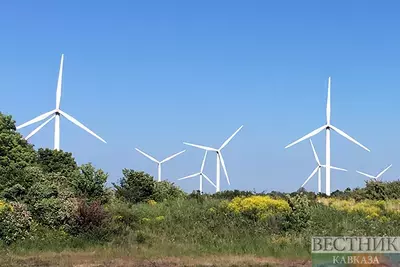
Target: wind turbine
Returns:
[[328, 126], [56, 114], [159, 162], [318, 168], [201, 173], [220, 159], [376, 177]]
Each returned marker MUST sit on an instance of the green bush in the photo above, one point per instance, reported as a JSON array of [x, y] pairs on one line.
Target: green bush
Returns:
[[51, 204], [299, 216], [57, 161], [165, 190], [135, 186], [90, 183], [122, 214], [15, 222]]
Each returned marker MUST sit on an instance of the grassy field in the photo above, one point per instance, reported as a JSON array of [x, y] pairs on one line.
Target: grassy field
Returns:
[[245, 231]]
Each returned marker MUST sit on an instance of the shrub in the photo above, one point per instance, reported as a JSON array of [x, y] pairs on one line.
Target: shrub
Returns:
[[122, 213], [51, 204], [375, 190], [300, 213], [135, 186], [165, 190], [14, 193], [54, 212], [57, 161], [90, 220], [90, 183], [15, 221], [231, 194]]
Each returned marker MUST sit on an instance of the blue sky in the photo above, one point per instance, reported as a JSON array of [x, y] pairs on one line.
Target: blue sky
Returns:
[[153, 74]]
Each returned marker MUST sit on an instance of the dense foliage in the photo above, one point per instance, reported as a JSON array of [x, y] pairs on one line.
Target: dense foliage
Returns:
[[47, 199]]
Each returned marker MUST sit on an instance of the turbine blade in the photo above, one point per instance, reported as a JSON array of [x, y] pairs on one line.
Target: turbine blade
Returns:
[[189, 176], [382, 172], [315, 153], [316, 131], [204, 161], [339, 169], [40, 127], [311, 175], [368, 175], [348, 137], [173, 156], [208, 179], [37, 119], [148, 156], [224, 168], [202, 147], [77, 123], [59, 83], [328, 103], [230, 138]]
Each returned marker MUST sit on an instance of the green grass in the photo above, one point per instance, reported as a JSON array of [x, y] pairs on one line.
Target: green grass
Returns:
[[188, 228]]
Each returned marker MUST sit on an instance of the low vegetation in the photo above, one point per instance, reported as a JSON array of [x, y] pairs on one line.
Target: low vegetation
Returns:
[[49, 204]]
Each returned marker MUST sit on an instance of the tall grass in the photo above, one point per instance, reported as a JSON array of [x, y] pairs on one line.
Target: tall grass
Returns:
[[195, 227]]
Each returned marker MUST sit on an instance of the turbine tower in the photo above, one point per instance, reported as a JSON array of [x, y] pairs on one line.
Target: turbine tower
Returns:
[[318, 168], [220, 159], [379, 175], [201, 174], [159, 162], [56, 114], [328, 127]]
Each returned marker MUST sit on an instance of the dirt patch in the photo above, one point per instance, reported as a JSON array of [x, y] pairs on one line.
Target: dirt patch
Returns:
[[95, 260]]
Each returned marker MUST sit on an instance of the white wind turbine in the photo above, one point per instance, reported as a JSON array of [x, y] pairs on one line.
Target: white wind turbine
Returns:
[[56, 114], [159, 162], [220, 159], [201, 174], [328, 126], [318, 168], [379, 175]]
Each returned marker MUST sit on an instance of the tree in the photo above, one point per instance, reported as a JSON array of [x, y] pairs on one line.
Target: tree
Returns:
[[15, 154], [90, 183], [135, 186], [57, 161]]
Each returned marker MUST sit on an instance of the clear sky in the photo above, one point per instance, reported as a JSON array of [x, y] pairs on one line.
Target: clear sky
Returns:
[[153, 74]]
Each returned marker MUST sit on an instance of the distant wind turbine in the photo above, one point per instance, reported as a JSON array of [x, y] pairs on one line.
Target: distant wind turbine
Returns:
[[328, 126], [379, 175], [201, 174], [159, 162], [318, 168], [56, 114], [220, 159]]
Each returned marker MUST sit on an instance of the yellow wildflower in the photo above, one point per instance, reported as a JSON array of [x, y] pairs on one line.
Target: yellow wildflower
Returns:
[[160, 218], [151, 202], [262, 206]]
